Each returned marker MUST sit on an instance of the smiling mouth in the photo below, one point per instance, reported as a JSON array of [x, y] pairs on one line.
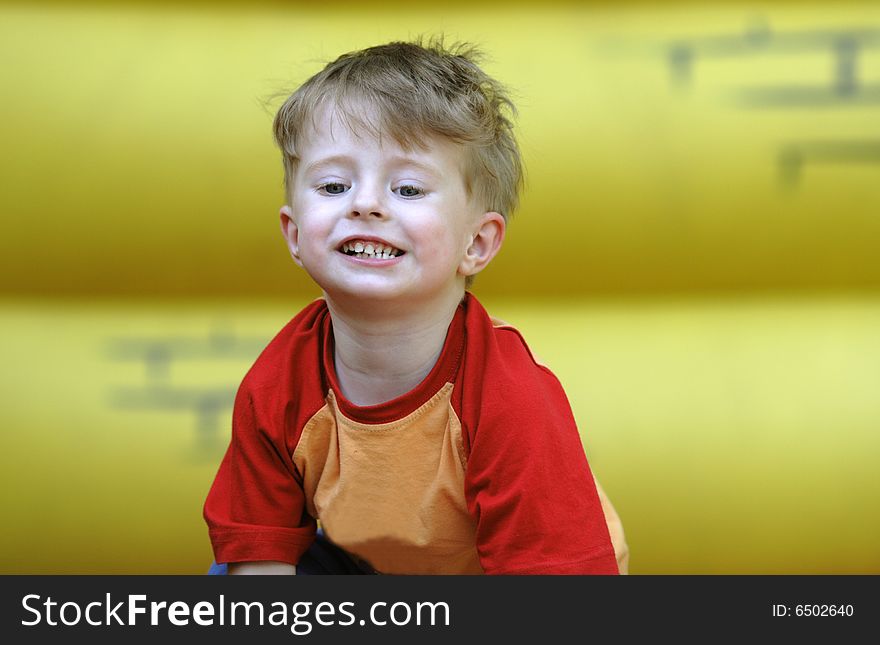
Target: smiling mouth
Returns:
[[369, 249]]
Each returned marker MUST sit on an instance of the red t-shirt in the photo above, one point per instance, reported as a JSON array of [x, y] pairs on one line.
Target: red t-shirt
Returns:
[[479, 469]]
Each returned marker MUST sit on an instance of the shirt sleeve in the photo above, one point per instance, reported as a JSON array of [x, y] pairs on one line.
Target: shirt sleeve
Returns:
[[255, 509], [529, 486]]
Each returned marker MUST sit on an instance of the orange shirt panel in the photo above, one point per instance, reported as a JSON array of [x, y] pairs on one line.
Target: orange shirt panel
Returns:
[[392, 494]]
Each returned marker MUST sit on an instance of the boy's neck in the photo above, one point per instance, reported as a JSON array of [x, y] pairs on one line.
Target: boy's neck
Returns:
[[381, 352]]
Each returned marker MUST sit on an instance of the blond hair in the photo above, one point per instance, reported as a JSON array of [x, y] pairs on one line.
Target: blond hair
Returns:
[[412, 90]]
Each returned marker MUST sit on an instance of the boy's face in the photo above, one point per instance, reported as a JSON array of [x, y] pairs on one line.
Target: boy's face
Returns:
[[371, 221]]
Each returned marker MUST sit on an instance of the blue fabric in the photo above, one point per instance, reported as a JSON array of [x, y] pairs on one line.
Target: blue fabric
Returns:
[[322, 559]]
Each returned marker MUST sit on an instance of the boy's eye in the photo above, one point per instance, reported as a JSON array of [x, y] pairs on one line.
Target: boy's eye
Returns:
[[333, 188], [409, 191]]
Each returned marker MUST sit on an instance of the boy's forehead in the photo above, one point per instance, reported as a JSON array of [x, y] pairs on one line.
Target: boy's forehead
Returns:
[[332, 127], [333, 123]]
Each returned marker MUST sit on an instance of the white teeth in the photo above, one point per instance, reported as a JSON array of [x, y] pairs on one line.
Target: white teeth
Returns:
[[369, 249]]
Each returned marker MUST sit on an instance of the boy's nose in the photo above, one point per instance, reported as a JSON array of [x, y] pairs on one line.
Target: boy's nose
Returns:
[[367, 201]]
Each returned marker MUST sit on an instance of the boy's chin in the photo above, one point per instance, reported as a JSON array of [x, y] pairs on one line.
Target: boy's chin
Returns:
[[386, 297], [368, 294]]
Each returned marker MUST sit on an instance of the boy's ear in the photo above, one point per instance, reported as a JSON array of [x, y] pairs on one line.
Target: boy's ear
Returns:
[[290, 231], [485, 243]]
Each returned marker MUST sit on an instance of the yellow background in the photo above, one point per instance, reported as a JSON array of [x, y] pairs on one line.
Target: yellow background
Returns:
[[716, 325]]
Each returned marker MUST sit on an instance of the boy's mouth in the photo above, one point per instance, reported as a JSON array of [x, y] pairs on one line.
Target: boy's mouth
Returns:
[[369, 249]]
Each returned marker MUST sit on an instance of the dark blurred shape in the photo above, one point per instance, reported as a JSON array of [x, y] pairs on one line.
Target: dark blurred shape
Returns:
[[210, 404], [758, 38], [793, 157], [681, 62], [847, 50], [157, 353]]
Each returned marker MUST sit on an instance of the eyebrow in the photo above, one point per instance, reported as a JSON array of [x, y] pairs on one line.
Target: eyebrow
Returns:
[[395, 161], [328, 161], [399, 160]]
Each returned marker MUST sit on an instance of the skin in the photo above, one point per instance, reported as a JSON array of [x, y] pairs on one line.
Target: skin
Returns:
[[389, 316]]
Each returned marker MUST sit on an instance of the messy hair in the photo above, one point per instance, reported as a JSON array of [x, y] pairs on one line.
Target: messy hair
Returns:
[[411, 90]]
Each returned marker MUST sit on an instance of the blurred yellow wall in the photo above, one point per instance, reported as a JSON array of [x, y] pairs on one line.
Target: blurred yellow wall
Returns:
[[139, 157], [710, 306]]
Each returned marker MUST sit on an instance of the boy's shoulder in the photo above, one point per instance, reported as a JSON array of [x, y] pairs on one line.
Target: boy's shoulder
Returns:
[[500, 340], [294, 351], [500, 363], [285, 387]]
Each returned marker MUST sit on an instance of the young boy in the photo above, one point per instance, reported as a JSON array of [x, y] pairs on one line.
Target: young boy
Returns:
[[421, 433]]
